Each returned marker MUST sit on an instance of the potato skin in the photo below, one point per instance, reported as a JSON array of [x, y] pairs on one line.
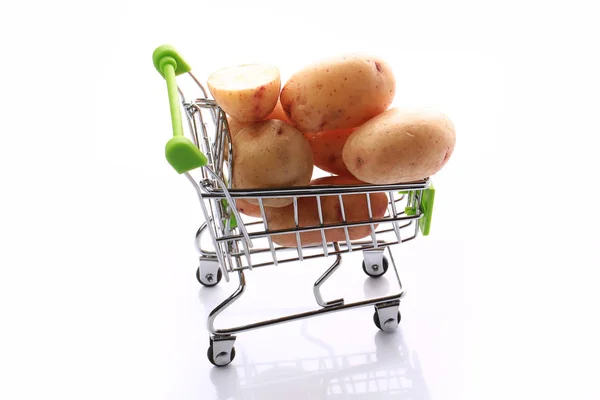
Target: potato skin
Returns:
[[235, 126], [327, 149], [355, 207], [271, 154], [400, 146], [249, 103], [336, 181], [341, 92], [247, 208]]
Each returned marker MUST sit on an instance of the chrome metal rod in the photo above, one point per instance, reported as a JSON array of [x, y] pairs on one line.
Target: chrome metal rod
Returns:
[[189, 114], [205, 100], [204, 92], [362, 245], [210, 323], [210, 227], [247, 253], [266, 223], [359, 245], [181, 95], [393, 264], [394, 213], [324, 241], [298, 241], [198, 241], [293, 249], [211, 253], [255, 235], [206, 140], [315, 256], [382, 231], [233, 209], [418, 208], [309, 191], [319, 282], [308, 314], [219, 145], [343, 211], [373, 236]]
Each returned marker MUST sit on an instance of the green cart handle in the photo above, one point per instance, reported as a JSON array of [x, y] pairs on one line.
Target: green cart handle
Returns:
[[180, 152]]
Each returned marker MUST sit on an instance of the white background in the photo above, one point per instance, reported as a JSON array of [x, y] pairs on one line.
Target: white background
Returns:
[[97, 291]]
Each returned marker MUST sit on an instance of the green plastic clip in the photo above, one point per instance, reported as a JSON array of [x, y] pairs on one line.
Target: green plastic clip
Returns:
[[410, 211], [427, 209], [232, 220], [180, 152], [427, 199]]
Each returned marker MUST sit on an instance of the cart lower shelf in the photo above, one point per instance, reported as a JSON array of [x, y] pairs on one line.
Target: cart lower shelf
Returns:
[[221, 350]]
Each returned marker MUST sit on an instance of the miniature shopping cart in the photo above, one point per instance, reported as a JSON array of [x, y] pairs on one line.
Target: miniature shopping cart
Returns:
[[240, 243]]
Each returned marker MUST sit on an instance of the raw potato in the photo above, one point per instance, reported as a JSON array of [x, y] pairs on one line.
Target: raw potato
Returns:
[[341, 92], [355, 208], [271, 154], [245, 207], [247, 92], [235, 126], [327, 149], [400, 146]]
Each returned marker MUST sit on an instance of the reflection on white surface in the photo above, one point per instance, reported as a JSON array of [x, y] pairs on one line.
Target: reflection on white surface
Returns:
[[330, 356], [375, 287], [391, 371]]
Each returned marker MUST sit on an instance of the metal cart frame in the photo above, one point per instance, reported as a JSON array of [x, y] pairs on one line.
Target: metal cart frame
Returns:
[[241, 243]]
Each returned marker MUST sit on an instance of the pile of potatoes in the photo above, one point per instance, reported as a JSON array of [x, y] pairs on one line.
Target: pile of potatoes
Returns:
[[334, 115]]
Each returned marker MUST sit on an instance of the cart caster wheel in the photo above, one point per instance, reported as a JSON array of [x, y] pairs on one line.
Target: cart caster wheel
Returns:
[[376, 271], [221, 359], [389, 325], [208, 280]]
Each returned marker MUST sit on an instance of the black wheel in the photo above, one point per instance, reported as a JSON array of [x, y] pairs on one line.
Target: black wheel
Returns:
[[376, 320], [207, 284], [209, 354], [380, 272]]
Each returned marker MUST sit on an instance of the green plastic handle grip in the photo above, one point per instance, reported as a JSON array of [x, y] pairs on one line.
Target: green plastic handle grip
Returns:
[[180, 152]]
